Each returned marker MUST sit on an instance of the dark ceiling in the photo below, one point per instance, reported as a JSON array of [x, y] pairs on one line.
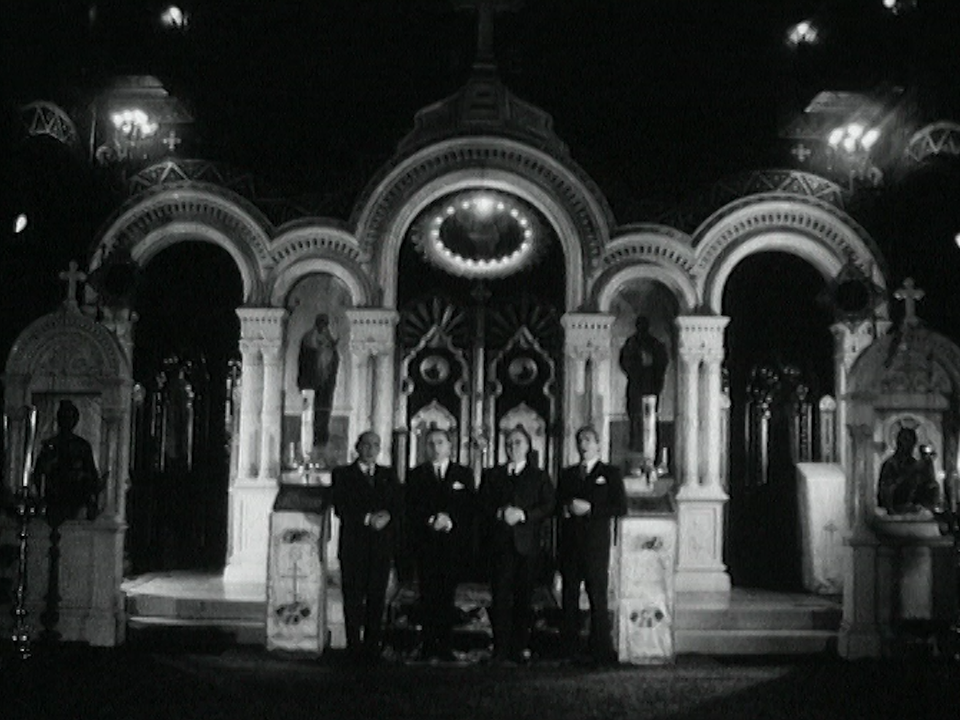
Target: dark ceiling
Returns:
[[654, 99]]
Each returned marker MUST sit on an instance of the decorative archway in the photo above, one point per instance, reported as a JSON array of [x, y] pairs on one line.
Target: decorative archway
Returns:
[[144, 226], [820, 233], [580, 218]]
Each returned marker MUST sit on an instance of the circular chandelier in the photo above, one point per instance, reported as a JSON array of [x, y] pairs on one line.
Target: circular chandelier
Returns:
[[480, 234]]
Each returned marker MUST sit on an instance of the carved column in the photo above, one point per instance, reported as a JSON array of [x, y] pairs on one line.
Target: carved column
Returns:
[[372, 348], [587, 348], [251, 386], [271, 413], [254, 488], [701, 499], [849, 341]]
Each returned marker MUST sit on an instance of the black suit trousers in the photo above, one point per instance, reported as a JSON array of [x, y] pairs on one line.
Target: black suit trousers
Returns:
[[514, 578], [438, 575], [364, 575], [590, 569]]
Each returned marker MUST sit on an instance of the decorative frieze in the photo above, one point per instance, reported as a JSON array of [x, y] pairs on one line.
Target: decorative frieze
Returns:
[[372, 331], [587, 335]]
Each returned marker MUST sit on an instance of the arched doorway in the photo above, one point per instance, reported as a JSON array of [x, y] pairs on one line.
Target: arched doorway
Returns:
[[779, 363], [185, 367], [480, 342]]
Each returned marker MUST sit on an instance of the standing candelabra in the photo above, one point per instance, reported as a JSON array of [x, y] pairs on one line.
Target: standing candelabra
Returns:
[[24, 507]]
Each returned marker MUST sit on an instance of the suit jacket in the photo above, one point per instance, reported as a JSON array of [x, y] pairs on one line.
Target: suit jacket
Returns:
[[353, 496], [532, 491], [427, 496], [603, 488]]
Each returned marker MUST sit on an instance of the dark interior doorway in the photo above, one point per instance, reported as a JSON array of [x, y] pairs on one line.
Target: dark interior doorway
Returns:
[[186, 341], [779, 324]]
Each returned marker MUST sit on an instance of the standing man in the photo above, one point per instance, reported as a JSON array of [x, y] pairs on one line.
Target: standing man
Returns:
[[440, 512], [516, 499], [589, 495], [367, 498]]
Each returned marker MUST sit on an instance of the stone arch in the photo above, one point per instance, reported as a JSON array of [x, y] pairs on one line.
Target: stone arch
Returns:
[[149, 224], [652, 252], [48, 348], [939, 139], [580, 218], [306, 249], [817, 232], [43, 118]]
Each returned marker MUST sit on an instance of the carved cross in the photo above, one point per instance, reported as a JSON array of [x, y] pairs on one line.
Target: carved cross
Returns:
[[486, 9], [73, 277], [801, 152], [172, 141], [910, 294]]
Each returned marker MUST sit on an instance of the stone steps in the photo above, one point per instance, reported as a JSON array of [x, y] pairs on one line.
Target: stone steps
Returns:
[[745, 622]]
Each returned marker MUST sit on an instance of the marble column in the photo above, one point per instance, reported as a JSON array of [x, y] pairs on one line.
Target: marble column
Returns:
[[849, 341], [701, 499], [251, 389], [688, 423], [254, 488], [713, 419], [271, 413], [372, 348], [586, 400]]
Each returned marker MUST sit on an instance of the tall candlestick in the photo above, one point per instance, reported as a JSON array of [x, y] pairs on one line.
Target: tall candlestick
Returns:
[[29, 445]]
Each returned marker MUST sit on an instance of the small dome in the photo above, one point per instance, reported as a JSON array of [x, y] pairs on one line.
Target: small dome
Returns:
[[483, 106]]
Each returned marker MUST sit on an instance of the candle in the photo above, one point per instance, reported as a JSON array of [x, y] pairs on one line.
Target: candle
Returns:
[[29, 443]]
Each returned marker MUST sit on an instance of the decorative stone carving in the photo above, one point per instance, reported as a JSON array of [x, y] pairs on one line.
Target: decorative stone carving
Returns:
[[372, 331], [587, 335]]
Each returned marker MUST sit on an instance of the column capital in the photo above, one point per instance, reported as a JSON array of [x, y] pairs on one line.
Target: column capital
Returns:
[[701, 336], [262, 325], [851, 339], [372, 330], [250, 349], [587, 335]]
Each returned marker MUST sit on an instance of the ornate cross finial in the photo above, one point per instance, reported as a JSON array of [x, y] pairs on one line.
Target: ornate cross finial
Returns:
[[910, 294], [486, 9], [73, 276]]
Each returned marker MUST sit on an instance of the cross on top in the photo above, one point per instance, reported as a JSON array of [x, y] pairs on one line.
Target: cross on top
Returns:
[[486, 9], [73, 276], [910, 294], [172, 141]]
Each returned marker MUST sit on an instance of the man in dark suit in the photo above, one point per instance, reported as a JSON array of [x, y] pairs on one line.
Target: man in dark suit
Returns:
[[516, 499], [368, 500], [440, 511], [589, 495]]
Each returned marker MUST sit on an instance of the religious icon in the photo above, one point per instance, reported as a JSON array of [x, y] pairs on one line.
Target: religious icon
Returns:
[[317, 367]]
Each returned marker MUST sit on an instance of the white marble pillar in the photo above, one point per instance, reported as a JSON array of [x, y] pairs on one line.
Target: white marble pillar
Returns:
[[251, 390], [713, 419], [587, 351], [271, 413], [849, 341], [254, 488], [701, 499], [372, 352], [385, 394], [688, 425]]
